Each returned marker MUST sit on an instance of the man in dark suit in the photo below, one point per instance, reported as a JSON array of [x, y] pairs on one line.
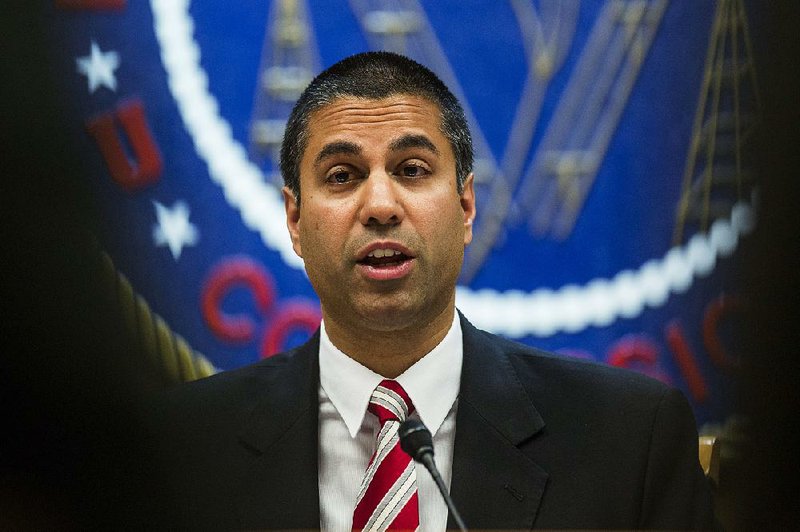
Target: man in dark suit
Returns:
[[381, 152]]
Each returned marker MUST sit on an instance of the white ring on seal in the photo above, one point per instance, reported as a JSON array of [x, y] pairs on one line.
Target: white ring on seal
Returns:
[[541, 312]]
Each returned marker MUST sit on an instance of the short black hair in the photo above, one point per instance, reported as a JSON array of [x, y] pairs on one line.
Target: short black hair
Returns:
[[374, 75]]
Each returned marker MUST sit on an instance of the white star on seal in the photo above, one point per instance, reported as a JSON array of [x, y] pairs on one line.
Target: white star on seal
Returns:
[[174, 228], [99, 67]]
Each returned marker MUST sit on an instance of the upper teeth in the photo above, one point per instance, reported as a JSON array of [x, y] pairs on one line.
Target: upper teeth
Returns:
[[379, 253]]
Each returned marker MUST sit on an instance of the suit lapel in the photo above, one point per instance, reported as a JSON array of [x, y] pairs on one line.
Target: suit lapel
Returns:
[[494, 485], [280, 434]]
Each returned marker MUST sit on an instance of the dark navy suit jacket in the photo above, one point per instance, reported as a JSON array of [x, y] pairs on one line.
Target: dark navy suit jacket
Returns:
[[541, 441]]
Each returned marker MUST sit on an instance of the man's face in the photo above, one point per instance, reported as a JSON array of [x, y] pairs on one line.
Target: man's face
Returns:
[[381, 226]]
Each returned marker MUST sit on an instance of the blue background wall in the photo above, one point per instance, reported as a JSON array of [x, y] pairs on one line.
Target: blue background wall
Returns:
[[611, 137]]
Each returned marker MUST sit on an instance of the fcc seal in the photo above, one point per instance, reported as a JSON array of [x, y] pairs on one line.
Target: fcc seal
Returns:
[[612, 172]]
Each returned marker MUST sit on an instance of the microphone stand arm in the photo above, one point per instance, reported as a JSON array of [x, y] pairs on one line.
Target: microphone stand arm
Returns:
[[427, 460]]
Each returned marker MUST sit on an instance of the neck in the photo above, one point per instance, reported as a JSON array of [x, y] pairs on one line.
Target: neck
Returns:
[[390, 353]]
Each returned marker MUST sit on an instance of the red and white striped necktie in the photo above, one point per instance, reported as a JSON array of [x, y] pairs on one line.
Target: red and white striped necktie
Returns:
[[388, 497]]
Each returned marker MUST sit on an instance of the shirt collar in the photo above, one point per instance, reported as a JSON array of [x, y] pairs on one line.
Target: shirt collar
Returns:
[[433, 382]]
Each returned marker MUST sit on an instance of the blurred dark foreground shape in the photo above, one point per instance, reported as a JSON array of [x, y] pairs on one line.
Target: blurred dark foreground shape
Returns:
[[70, 379]]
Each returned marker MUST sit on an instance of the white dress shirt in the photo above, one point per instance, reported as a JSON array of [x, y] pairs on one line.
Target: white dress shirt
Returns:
[[347, 432]]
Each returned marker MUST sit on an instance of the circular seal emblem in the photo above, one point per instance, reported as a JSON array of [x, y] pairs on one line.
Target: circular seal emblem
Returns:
[[611, 164]]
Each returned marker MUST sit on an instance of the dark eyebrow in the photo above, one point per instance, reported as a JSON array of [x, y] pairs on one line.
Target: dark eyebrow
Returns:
[[337, 148], [413, 141]]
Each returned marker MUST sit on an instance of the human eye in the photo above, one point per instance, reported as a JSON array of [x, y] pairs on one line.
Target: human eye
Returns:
[[414, 169], [339, 175]]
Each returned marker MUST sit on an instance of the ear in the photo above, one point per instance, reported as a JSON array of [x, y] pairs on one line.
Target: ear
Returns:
[[292, 219], [468, 204]]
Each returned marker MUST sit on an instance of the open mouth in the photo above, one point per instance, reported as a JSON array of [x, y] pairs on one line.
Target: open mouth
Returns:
[[384, 258], [386, 261]]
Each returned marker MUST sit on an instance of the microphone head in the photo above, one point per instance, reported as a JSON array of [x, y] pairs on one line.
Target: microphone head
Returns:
[[415, 439]]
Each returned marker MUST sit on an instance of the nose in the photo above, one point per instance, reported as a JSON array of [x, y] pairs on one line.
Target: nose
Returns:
[[381, 200]]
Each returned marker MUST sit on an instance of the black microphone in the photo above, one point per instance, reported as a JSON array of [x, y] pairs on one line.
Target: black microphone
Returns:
[[416, 441]]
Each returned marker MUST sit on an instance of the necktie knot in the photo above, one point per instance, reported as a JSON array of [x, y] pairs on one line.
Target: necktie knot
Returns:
[[390, 402]]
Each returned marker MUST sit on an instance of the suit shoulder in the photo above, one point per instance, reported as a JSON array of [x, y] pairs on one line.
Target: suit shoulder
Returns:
[[230, 393], [229, 381]]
